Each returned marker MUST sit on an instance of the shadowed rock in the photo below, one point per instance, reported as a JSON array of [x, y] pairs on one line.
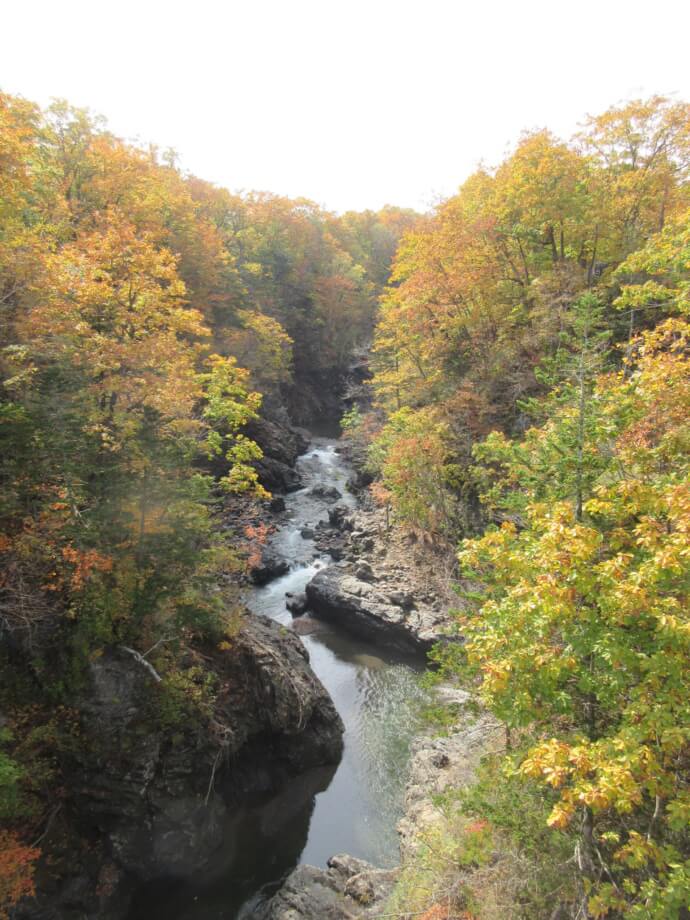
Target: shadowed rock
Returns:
[[269, 567], [281, 444], [296, 603], [326, 493], [153, 795]]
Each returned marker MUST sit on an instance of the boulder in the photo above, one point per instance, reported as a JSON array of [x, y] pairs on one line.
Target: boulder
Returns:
[[337, 516], [326, 493], [155, 800], [276, 504], [270, 566], [406, 601], [331, 542], [281, 444], [349, 888], [364, 571], [276, 476], [359, 481], [277, 437], [296, 603]]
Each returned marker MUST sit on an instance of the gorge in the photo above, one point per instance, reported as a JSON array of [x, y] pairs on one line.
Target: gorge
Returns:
[[351, 808], [236, 653]]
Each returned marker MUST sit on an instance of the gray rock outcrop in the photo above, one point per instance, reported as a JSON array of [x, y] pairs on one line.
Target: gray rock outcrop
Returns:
[[281, 444], [150, 789], [350, 595], [269, 566], [438, 764], [349, 888]]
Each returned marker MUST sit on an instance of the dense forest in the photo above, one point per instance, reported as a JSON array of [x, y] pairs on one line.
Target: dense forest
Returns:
[[532, 382], [529, 403], [146, 316]]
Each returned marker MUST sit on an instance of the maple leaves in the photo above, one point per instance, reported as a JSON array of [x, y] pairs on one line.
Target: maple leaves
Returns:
[[113, 306], [145, 314], [663, 263], [262, 346], [17, 860], [145, 310], [641, 157], [18, 129], [111, 394], [412, 459], [17, 863]]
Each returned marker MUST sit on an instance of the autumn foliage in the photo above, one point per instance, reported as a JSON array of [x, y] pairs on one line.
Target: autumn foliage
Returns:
[[16, 871], [146, 318], [532, 397]]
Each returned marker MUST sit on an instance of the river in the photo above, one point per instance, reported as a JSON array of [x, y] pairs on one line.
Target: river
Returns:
[[351, 809]]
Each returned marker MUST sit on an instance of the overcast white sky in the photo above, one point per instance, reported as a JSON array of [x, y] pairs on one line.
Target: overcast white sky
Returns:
[[352, 104]]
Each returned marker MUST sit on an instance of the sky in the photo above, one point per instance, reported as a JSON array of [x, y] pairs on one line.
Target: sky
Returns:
[[350, 104]]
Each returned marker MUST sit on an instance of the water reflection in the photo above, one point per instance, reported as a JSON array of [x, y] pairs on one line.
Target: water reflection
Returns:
[[378, 695], [263, 841]]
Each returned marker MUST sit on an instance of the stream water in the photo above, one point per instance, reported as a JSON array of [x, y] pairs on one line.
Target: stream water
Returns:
[[352, 808]]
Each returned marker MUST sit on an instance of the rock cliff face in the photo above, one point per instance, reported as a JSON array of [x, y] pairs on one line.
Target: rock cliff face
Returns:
[[150, 801], [316, 394], [281, 444]]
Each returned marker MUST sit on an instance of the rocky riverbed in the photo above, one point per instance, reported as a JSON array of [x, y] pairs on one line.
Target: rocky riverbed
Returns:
[[374, 686], [207, 819], [385, 585]]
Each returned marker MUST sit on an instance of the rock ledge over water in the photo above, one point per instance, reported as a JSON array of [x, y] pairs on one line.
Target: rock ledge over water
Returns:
[[150, 799], [351, 596]]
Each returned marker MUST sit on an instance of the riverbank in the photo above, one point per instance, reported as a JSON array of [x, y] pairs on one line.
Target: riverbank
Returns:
[[220, 822], [351, 889], [387, 588], [386, 585]]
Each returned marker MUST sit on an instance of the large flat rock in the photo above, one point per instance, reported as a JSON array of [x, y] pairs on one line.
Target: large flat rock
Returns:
[[351, 596]]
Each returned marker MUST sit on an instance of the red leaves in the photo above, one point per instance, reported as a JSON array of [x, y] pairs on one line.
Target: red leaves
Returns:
[[257, 536], [17, 864], [84, 563]]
